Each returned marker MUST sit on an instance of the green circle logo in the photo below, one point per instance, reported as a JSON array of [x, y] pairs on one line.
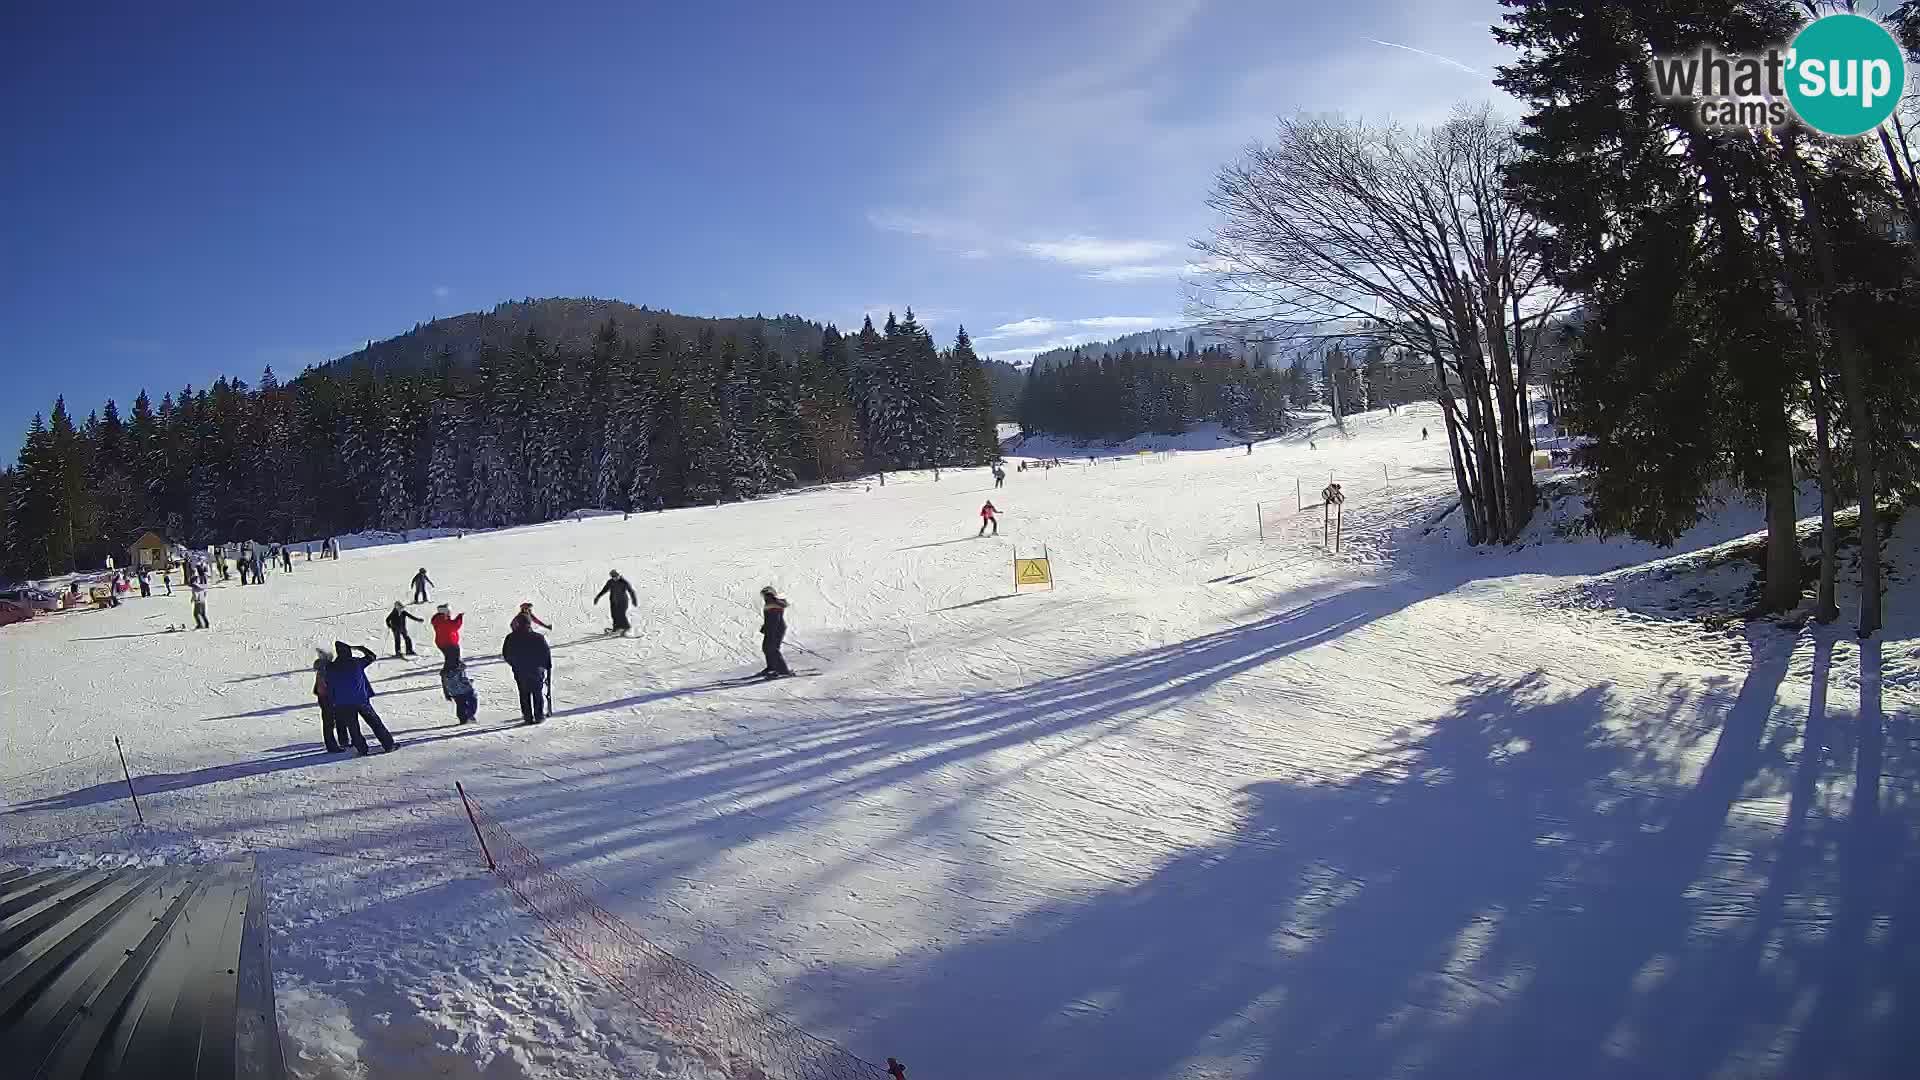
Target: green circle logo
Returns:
[[1846, 74]]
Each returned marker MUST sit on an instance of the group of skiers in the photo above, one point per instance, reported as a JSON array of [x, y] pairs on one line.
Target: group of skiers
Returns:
[[345, 696]]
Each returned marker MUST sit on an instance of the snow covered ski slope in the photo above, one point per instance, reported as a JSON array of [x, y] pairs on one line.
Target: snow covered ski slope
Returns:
[[1215, 806]]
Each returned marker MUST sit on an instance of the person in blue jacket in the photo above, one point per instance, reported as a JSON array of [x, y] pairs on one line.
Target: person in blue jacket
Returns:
[[351, 695]]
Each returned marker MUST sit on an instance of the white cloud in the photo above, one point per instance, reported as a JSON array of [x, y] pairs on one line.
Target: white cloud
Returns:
[[1034, 327], [1025, 327], [441, 292], [1091, 251], [1123, 322]]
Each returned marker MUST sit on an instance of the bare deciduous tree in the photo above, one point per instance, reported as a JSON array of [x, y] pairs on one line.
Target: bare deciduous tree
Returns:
[[1408, 239]]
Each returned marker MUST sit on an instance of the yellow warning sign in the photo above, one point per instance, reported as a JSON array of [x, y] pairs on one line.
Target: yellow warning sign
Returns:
[[1032, 572]]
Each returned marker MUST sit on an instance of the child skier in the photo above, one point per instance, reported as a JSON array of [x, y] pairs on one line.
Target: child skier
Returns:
[[987, 518], [200, 607], [397, 624], [773, 630], [420, 583], [459, 690], [526, 611]]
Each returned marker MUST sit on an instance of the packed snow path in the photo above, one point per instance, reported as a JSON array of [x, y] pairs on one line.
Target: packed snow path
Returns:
[[1213, 807]]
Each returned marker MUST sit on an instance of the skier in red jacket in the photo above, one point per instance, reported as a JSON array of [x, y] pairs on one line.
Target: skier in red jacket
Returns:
[[446, 634], [987, 518]]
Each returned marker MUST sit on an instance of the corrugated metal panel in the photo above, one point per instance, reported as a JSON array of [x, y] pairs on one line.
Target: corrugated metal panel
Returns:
[[157, 972]]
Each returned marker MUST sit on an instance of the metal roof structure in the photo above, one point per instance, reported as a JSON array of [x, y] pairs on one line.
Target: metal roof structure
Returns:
[[151, 972]]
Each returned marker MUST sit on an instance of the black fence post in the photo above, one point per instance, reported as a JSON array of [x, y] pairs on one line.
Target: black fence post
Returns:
[[478, 835], [128, 773]]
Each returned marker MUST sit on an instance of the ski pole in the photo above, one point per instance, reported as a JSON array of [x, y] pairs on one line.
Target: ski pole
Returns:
[[806, 650]]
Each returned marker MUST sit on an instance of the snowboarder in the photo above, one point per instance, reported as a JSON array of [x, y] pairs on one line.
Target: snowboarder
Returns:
[[896, 1070], [619, 594], [532, 662], [397, 624], [200, 607], [773, 630], [420, 583], [446, 634], [327, 716], [526, 612], [352, 695], [459, 690], [987, 518]]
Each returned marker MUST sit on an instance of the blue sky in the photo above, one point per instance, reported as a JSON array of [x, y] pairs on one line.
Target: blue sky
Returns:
[[187, 192]]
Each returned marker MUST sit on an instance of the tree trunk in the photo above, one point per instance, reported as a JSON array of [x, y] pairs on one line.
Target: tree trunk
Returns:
[[1512, 435], [1825, 609], [1853, 384], [1783, 546], [1457, 453]]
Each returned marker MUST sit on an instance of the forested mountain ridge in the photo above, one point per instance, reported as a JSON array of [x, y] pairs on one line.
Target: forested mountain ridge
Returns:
[[564, 322], [660, 412]]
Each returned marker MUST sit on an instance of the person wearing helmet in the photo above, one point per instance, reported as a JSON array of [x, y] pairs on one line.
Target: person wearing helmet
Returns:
[[420, 583], [773, 630], [619, 594], [987, 518], [526, 612], [397, 625]]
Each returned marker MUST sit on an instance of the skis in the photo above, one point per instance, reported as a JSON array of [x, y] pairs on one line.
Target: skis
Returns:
[[747, 680]]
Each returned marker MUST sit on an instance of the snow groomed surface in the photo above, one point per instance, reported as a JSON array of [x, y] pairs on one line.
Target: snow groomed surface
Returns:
[[1216, 806]]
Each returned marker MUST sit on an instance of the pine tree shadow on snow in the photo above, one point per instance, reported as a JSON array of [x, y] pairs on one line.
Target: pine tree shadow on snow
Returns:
[[1528, 888]]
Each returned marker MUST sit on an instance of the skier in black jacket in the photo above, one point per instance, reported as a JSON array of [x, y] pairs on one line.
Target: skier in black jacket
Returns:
[[420, 583], [619, 593], [773, 630], [397, 622], [532, 662]]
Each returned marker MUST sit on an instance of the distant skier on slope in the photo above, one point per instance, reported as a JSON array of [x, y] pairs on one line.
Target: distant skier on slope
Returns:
[[420, 583], [987, 518], [526, 611], [773, 630], [999, 476], [397, 625], [619, 594], [446, 635], [532, 662]]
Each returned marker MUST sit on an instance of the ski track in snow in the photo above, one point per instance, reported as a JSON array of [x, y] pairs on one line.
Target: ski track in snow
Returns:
[[1211, 808]]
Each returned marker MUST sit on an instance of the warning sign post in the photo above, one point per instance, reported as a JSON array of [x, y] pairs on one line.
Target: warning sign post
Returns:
[[1032, 571]]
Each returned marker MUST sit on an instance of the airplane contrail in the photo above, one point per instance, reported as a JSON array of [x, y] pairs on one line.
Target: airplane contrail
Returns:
[[1447, 60]]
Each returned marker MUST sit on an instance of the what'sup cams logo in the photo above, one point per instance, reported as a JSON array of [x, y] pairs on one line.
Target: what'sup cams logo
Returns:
[[1842, 75]]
